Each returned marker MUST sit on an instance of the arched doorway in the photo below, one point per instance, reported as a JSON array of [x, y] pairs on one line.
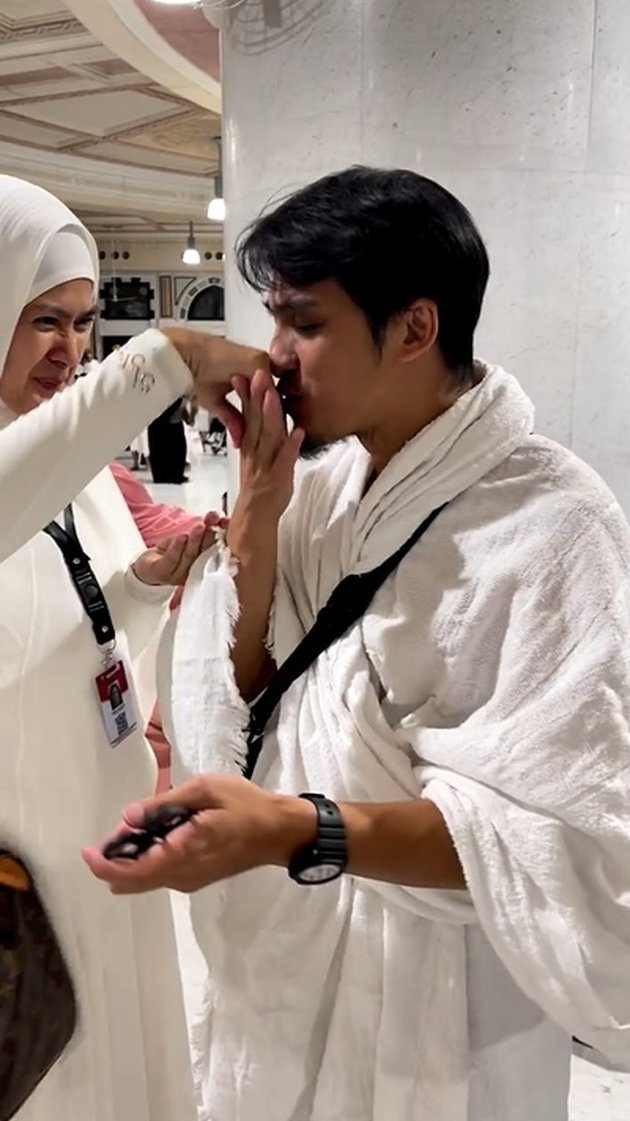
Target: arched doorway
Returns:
[[208, 305]]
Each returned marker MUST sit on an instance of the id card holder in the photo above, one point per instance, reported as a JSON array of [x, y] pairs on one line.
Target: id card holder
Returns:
[[116, 703]]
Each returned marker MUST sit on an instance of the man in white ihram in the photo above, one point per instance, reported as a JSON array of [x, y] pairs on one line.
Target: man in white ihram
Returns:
[[458, 906]]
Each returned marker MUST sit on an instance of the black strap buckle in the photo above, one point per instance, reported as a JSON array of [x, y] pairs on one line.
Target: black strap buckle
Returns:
[[83, 577], [133, 843]]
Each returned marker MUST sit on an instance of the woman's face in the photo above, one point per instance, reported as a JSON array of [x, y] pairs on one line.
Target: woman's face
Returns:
[[49, 341]]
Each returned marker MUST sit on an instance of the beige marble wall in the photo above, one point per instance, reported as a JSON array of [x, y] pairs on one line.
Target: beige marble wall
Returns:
[[523, 110]]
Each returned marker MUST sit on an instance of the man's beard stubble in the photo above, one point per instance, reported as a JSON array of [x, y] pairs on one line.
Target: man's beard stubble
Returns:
[[312, 449]]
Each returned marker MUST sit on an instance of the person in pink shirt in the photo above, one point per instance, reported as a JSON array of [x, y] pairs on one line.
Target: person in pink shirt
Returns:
[[155, 522]]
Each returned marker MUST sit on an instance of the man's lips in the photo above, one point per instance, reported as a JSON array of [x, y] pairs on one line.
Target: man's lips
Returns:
[[289, 386]]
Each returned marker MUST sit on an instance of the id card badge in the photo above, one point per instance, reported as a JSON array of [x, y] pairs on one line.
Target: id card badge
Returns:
[[116, 701]]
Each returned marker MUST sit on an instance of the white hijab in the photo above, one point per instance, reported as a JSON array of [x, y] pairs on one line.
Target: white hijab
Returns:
[[42, 245]]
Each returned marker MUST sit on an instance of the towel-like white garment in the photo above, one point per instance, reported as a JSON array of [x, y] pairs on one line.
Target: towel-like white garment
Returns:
[[489, 674]]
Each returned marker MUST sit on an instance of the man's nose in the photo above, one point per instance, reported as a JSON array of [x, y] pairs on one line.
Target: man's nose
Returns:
[[282, 352]]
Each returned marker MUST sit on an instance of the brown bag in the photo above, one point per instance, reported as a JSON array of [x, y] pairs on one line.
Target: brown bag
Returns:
[[37, 1004]]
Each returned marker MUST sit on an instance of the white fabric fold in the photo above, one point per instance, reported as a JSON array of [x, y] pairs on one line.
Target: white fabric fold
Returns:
[[490, 675], [205, 712]]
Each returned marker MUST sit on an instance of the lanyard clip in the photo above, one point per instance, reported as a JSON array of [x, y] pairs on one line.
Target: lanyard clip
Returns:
[[109, 652]]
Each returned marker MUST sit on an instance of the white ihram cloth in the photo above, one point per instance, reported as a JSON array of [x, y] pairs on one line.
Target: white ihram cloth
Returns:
[[490, 674], [61, 785]]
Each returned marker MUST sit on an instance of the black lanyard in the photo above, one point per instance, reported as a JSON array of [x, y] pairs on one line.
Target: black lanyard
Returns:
[[83, 577], [346, 604]]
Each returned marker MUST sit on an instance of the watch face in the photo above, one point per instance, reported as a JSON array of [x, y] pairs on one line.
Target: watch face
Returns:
[[319, 874]]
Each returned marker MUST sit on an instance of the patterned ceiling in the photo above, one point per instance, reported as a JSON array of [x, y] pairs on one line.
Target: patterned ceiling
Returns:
[[63, 92]]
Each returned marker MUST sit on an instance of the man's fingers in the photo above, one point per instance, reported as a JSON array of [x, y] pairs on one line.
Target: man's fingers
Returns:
[[192, 795], [263, 362], [254, 412], [233, 420], [263, 380], [241, 385], [163, 861], [274, 427], [154, 869], [169, 862], [246, 432], [290, 451]]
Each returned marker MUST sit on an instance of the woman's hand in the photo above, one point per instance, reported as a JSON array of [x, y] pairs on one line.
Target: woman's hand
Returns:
[[170, 561], [213, 363]]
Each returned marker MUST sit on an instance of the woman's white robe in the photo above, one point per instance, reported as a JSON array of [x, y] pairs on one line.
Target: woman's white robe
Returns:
[[62, 787]]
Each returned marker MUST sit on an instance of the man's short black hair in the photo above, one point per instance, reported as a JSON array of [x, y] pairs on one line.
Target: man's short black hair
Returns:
[[388, 237]]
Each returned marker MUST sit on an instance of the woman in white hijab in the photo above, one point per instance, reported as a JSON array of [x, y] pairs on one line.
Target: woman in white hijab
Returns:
[[64, 770], [48, 454]]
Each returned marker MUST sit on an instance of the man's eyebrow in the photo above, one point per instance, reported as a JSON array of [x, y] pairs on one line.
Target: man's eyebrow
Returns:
[[292, 303]]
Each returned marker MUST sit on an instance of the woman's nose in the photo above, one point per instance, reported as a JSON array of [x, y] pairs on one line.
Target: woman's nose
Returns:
[[68, 349]]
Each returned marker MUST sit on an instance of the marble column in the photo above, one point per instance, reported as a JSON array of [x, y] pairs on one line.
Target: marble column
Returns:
[[521, 109]]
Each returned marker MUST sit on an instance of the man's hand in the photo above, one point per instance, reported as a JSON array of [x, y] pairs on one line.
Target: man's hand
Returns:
[[214, 362], [236, 827], [267, 466], [169, 562], [268, 452]]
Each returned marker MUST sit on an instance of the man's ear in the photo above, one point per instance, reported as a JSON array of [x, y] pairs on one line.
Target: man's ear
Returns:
[[421, 325]]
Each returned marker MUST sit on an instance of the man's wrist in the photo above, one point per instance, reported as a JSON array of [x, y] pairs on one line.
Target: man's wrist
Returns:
[[295, 825], [252, 528], [258, 513]]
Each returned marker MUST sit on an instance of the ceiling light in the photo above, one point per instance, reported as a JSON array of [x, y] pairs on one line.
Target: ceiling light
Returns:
[[216, 206], [191, 255]]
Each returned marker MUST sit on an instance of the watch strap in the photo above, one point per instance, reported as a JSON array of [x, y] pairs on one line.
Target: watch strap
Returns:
[[330, 845]]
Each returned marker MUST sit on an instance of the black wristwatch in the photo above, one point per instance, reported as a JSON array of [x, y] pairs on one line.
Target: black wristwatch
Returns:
[[327, 857]]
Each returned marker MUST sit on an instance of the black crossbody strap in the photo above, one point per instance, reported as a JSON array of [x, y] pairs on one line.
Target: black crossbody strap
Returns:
[[83, 577], [347, 603]]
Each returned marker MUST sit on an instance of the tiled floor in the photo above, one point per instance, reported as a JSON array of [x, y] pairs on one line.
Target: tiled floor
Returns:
[[208, 482], [597, 1094]]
